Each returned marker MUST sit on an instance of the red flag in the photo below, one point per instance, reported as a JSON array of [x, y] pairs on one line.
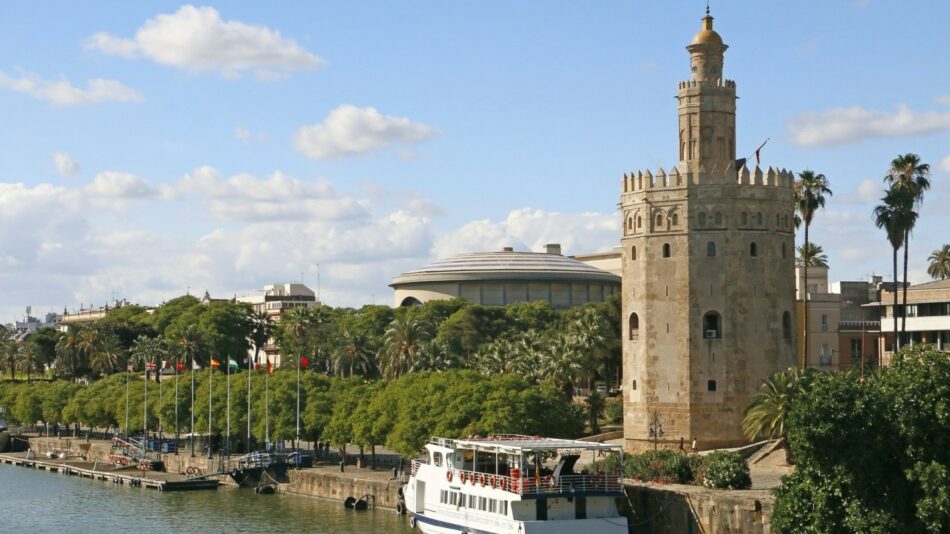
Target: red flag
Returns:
[[270, 367], [180, 367], [257, 367], [150, 366], [215, 363], [304, 361]]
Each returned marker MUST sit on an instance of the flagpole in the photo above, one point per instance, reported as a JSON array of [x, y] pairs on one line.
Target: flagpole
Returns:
[[227, 448], [267, 404], [249, 364], [127, 373], [161, 429], [177, 362], [145, 409], [191, 429], [297, 438], [210, 389]]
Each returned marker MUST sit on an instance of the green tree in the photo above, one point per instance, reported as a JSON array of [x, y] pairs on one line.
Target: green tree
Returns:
[[43, 343], [939, 268], [261, 329], [909, 175], [402, 344], [28, 361], [470, 326], [353, 355], [810, 192], [69, 352], [894, 215], [812, 256], [8, 352]]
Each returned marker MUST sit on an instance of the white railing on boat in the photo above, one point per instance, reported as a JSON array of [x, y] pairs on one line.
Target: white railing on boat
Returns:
[[529, 484]]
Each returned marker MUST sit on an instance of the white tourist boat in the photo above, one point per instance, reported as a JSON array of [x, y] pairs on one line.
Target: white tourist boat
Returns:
[[514, 484]]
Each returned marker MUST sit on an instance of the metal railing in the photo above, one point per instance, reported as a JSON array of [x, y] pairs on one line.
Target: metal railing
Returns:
[[528, 484]]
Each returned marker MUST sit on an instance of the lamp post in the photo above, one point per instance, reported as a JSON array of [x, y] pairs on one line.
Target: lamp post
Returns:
[[656, 429]]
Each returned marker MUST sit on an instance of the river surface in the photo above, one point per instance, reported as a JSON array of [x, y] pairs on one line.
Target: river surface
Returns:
[[39, 501]]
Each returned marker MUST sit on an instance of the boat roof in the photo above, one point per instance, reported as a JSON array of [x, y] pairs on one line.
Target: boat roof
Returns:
[[513, 444]]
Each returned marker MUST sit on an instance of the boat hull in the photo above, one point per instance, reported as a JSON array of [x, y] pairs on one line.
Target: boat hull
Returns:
[[611, 525]]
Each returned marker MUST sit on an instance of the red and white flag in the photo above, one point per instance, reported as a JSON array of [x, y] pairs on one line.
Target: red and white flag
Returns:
[[150, 366], [130, 368]]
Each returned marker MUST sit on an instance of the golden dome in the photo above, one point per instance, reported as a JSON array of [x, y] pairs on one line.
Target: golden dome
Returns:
[[707, 34]]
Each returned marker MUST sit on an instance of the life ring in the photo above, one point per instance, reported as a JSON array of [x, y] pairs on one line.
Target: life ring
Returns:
[[191, 470], [552, 481], [448, 475], [481, 479], [503, 483], [462, 476], [491, 481]]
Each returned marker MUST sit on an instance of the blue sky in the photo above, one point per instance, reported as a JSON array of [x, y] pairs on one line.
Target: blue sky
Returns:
[[147, 149]]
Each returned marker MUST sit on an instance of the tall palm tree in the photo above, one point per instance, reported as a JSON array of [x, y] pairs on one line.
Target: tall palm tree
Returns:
[[810, 191], [402, 343], [766, 413], [69, 351], [939, 268], [909, 174], [353, 354], [105, 355], [893, 215], [811, 256], [261, 327], [9, 350], [188, 343], [28, 361], [589, 334]]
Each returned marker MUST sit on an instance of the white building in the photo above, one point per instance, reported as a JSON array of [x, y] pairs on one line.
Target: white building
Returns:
[[274, 300]]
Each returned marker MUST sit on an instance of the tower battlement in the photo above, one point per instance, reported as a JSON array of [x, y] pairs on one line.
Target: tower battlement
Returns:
[[698, 84], [645, 180]]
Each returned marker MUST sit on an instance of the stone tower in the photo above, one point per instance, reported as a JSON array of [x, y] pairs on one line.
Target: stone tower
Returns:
[[708, 273]]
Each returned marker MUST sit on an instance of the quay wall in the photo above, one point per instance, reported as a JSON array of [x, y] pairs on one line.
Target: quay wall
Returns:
[[339, 486], [663, 508]]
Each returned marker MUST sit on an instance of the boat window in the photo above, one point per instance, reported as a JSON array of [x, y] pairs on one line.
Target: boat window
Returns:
[[453, 498], [482, 501], [444, 496], [492, 505], [471, 502], [462, 500], [437, 458], [503, 508]]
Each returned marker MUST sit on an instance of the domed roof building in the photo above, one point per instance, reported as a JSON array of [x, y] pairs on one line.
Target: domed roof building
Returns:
[[507, 277]]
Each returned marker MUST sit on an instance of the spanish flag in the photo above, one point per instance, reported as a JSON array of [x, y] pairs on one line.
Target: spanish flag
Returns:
[[304, 361], [215, 363]]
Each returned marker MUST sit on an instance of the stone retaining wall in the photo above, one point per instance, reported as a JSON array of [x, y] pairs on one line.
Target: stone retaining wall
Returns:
[[339, 486], [663, 508]]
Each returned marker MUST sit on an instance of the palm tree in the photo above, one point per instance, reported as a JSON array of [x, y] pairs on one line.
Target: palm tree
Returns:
[[811, 256], [9, 350], [590, 334], [893, 215], [810, 191], [261, 327], [766, 413], [27, 360], [105, 355], [907, 173], [69, 351], [939, 268], [402, 343], [353, 354]]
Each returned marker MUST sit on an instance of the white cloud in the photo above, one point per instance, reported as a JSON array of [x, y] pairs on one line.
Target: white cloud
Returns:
[[120, 185], [943, 99], [245, 135], [849, 125], [195, 38], [349, 130], [530, 229], [63, 93], [278, 197], [65, 164], [945, 165]]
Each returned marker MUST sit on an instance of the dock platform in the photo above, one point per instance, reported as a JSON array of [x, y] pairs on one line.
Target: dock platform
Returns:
[[135, 478]]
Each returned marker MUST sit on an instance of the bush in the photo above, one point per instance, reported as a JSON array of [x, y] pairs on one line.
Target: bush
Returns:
[[724, 470], [669, 467], [613, 410]]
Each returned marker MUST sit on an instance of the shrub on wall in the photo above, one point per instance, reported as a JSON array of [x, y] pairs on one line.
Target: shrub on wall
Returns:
[[724, 470], [670, 467], [613, 410]]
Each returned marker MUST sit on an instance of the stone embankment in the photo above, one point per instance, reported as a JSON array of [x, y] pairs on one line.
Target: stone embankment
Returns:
[[664, 508]]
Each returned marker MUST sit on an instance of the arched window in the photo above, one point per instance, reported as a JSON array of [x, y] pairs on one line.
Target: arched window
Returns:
[[666, 250], [410, 301], [639, 222], [659, 220], [710, 249], [745, 218], [718, 218], [633, 253], [702, 219], [758, 218], [785, 220], [787, 326], [712, 325], [630, 223], [634, 327], [784, 251], [778, 220], [753, 249], [676, 219]]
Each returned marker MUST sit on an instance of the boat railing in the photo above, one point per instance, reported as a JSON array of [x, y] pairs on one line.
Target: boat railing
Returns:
[[254, 459], [539, 485]]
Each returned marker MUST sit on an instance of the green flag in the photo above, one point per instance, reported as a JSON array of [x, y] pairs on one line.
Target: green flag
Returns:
[[233, 364]]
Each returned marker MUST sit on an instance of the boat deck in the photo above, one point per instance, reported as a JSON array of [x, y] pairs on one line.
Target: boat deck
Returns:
[[145, 479]]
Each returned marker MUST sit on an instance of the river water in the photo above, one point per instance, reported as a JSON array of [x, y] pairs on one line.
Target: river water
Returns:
[[39, 501]]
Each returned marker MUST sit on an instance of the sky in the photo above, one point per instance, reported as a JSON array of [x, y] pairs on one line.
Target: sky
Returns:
[[149, 149]]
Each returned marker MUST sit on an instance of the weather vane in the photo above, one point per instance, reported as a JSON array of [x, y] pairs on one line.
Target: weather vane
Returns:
[[707, 7]]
